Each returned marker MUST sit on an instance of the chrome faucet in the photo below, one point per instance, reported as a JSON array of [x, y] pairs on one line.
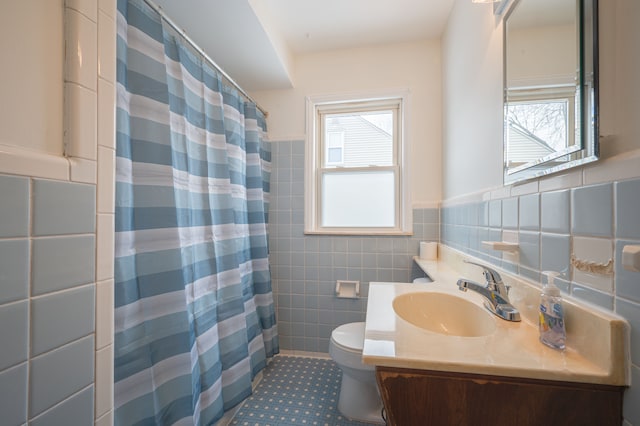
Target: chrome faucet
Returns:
[[496, 294]]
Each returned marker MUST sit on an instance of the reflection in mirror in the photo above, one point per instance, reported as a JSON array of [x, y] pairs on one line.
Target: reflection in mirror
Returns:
[[550, 89]]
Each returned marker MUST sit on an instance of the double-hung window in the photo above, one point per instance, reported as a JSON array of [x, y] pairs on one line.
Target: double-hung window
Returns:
[[356, 166]]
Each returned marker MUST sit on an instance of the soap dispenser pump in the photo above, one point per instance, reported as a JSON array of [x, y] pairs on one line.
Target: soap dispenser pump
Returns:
[[551, 318]]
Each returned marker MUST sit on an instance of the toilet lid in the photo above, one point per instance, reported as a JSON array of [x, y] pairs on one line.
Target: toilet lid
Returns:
[[350, 335]]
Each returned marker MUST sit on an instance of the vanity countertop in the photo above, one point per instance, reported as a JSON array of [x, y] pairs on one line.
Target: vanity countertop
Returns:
[[597, 341]]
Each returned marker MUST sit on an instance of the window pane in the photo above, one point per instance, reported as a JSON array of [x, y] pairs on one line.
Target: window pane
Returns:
[[545, 120], [367, 137], [334, 155], [358, 199]]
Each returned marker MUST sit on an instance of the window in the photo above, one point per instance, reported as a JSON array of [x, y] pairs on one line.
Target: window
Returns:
[[356, 174], [541, 123]]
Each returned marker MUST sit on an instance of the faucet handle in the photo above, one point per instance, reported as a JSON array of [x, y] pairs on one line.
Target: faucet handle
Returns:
[[491, 275]]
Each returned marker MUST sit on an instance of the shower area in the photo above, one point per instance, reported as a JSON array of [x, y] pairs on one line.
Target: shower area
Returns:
[[194, 312]]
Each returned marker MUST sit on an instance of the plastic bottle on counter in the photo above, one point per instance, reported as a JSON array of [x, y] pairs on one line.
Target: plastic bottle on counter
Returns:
[[551, 317]]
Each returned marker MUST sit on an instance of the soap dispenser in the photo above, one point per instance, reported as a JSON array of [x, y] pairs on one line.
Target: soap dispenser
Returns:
[[551, 318]]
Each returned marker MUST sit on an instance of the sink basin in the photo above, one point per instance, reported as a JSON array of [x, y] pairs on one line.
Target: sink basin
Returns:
[[445, 314]]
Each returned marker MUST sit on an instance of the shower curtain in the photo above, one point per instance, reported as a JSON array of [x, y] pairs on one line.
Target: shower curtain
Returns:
[[194, 314]]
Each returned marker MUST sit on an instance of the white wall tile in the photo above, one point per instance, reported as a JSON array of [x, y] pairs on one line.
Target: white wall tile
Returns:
[[524, 188], [561, 181], [105, 420], [104, 313], [31, 163], [88, 8], [106, 179], [82, 170], [104, 381], [81, 111], [81, 40], [105, 247], [598, 250], [108, 7], [106, 47], [106, 114]]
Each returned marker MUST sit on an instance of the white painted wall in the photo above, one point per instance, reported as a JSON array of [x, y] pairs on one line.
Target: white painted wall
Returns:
[[412, 66], [472, 100], [31, 83], [472, 93]]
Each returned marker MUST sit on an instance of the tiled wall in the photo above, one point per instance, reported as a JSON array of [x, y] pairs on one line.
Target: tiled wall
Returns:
[[47, 291], [592, 222], [56, 245], [305, 267]]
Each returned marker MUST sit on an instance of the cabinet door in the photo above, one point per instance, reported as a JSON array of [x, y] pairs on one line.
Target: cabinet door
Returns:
[[417, 398]]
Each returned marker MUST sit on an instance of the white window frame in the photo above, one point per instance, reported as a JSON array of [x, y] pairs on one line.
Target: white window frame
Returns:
[[314, 155]]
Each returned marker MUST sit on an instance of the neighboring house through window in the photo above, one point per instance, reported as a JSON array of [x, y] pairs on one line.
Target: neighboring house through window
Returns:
[[356, 166]]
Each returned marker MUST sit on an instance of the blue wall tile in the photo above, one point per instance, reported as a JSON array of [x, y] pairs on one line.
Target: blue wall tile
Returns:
[[13, 388], [14, 208], [431, 216], [14, 270], [592, 296], [529, 243], [62, 262], [495, 213], [554, 253], [77, 410], [628, 209], [63, 208], [483, 214], [14, 334], [510, 213], [529, 212], [554, 212], [58, 374], [592, 210], [61, 318]]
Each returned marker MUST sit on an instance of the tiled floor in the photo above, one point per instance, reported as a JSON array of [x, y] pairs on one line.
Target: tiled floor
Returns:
[[295, 391]]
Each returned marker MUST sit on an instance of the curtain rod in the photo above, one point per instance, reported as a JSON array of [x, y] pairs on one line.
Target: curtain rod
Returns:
[[180, 31]]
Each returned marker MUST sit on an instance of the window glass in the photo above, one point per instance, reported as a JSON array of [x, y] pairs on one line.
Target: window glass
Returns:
[[358, 199]]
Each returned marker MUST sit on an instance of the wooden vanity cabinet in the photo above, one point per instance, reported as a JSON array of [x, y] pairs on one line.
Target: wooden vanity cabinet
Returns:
[[424, 398]]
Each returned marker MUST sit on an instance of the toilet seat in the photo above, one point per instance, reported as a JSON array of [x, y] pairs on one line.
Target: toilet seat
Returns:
[[349, 337], [346, 346]]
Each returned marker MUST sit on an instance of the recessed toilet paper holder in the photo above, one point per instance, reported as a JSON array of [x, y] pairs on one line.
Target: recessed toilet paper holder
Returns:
[[347, 289]]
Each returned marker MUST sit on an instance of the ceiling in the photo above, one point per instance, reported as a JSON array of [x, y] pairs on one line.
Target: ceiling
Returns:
[[256, 41]]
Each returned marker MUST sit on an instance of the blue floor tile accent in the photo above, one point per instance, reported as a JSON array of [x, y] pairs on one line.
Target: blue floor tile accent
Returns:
[[295, 391]]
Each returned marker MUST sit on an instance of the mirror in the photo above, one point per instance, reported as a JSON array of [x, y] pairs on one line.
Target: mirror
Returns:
[[550, 87]]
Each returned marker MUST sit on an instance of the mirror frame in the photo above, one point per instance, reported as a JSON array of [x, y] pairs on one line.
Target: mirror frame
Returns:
[[588, 150]]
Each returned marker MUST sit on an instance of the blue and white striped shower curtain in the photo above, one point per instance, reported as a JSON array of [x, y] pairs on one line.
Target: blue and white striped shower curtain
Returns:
[[194, 315]]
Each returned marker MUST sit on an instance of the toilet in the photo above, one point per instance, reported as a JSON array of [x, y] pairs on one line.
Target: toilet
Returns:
[[359, 398]]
